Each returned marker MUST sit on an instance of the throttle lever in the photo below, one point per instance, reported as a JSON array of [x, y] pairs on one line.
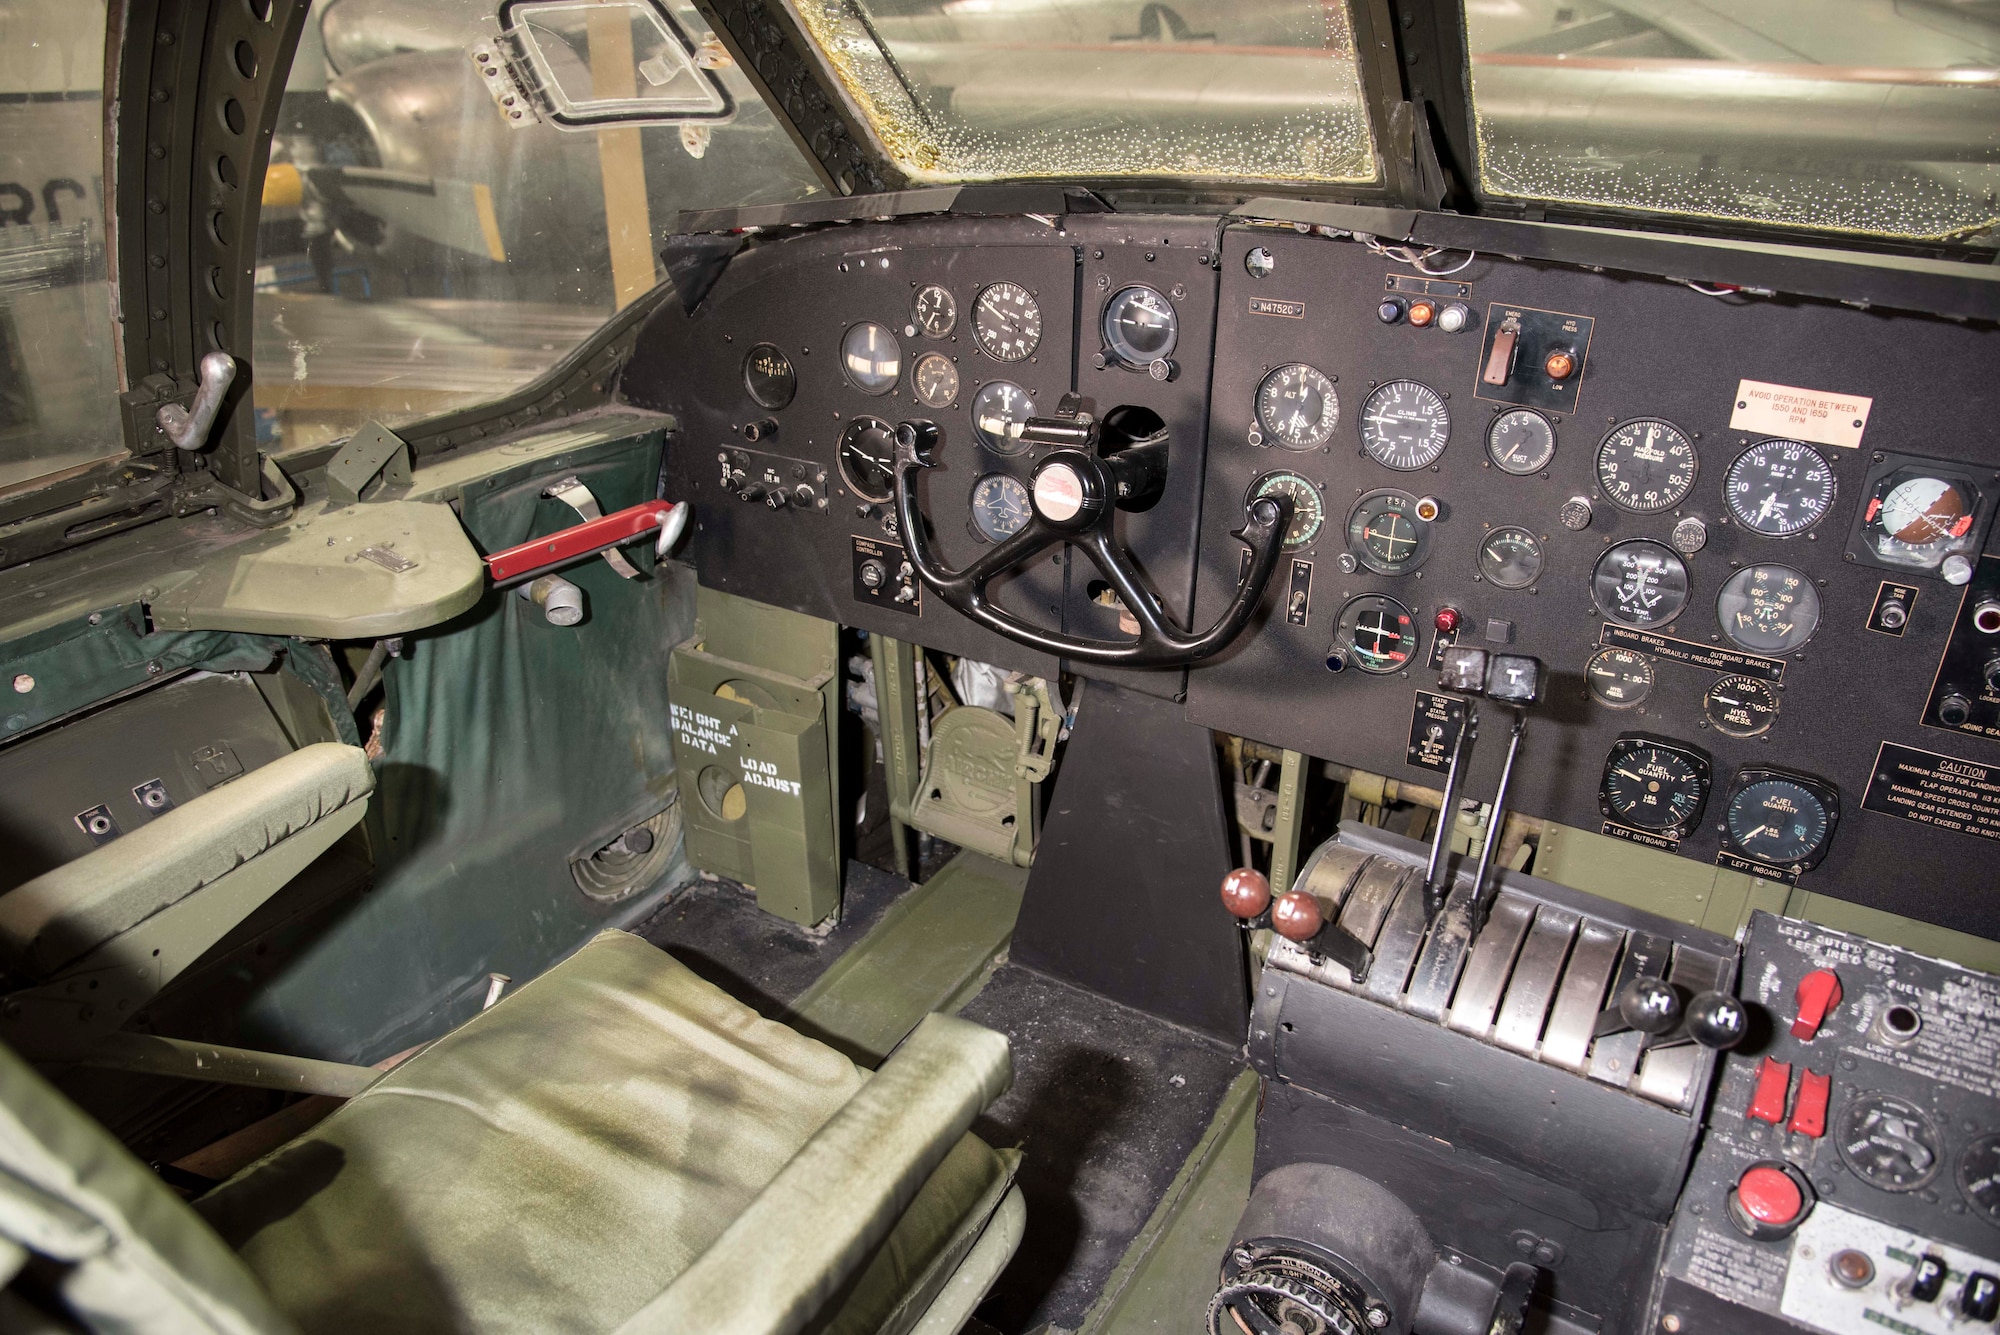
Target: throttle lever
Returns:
[[1296, 916]]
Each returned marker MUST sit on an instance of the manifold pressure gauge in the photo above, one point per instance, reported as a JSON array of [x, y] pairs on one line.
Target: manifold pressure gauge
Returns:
[[1646, 465], [1654, 784], [1780, 817]]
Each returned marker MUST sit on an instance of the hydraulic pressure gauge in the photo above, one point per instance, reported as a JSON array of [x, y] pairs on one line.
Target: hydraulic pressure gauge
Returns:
[[1653, 784], [998, 410], [1405, 425], [871, 357], [935, 380], [1308, 510], [867, 458], [1740, 706], [1520, 441], [1297, 407], [1640, 583], [999, 506], [1779, 817], [768, 375], [1779, 488], [1979, 1177], [935, 311], [1768, 609], [1374, 634], [1385, 534], [1007, 322], [1889, 1142], [1139, 327], [1510, 557], [1646, 465], [1619, 678]]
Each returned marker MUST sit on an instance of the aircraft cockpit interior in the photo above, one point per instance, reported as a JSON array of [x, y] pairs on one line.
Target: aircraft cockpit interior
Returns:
[[1022, 667]]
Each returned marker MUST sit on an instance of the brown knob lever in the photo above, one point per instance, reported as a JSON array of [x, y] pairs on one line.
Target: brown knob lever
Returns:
[[1246, 893], [1294, 915]]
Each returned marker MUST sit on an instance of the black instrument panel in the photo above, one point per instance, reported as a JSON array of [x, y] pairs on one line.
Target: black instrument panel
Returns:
[[1558, 461]]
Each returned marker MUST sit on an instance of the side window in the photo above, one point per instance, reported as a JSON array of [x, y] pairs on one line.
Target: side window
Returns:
[[418, 253], [58, 353]]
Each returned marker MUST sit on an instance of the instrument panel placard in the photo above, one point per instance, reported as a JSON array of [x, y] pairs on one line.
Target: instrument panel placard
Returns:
[[1934, 789], [1800, 414]]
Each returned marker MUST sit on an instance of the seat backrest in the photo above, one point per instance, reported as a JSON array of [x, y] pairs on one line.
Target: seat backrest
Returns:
[[103, 1237], [62, 915]]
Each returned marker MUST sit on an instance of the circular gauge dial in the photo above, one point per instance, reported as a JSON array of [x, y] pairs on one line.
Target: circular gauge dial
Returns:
[[1140, 326], [935, 311], [1979, 1176], [1779, 488], [999, 506], [1654, 786], [1297, 407], [1740, 706], [935, 380], [1914, 519], [1405, 425], [1511, 557], [1619, 678], [867, 458], [1375, 634], [1308, 511], [1889, 1142], [871, 357], [1385, 534], [1640, 583], [998, 410], [1776, 820], [768, 375], [1646, 465], [1007, 322], [1520, 441], [1768, 609]]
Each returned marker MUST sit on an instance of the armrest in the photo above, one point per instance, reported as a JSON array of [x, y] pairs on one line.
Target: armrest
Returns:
[[62, 915], [818, 1221]]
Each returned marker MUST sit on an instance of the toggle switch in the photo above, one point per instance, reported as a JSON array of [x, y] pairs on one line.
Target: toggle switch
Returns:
[[1818, 992], [1979, 1300], [1774, 1086], [1500, 360], [1926, 1279], [1809, 1110]]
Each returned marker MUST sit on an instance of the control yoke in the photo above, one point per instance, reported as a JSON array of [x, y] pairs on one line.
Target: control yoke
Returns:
[[1075, 490]]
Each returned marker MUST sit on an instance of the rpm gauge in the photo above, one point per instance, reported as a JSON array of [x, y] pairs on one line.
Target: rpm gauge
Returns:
[[1297, 407], [1768, 609], [935, 380], [1375, 634], [1979, 1177], [1654, 785], [1777, 818], [999, 506], [1520, 441], [1385, 534], [1308, 510], [1405, 425], [1646, 465], [1140, 327], [1007, 322], [1779, 488], [1619, 678], [935, 311], [1510, 558], [1640, 583], [867, 458], [1889, 1142]]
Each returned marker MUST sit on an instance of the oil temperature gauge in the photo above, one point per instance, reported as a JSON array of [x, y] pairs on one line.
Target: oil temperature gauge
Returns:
[[1386, 533], [1779, 817], [1979, 1177], [1889, 1142], [1375, 634], [1653, 784], [1510, 558], [1308, 511]]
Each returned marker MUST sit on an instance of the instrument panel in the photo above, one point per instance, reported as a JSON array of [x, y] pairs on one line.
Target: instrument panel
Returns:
[[1745, 534]]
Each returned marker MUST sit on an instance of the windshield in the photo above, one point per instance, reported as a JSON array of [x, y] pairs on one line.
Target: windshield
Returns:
[[1223, 90], [58, 357], [417, 252], [1873, 116]]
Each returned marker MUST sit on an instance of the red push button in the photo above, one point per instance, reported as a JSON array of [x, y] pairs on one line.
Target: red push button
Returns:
[[1818, 993], [1774, 1084], [1809, 1112], [1769, 1196]]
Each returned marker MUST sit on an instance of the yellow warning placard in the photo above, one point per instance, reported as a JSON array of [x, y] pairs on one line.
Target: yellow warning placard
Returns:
[[1811, 415]]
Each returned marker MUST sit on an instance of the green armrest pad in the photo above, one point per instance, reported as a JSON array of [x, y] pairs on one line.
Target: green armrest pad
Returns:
[[777, 1266], [63, 914], [555, 1162]]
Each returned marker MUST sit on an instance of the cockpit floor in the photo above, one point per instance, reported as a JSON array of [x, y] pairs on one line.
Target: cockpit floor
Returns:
[[1107, 1103]]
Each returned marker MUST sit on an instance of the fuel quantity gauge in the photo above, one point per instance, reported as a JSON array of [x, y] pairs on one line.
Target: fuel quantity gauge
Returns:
[[1779, 817], [1653, 784]]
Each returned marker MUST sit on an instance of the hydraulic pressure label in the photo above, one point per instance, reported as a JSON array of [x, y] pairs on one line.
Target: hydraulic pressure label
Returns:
[[1695, 655], [1933, 789]]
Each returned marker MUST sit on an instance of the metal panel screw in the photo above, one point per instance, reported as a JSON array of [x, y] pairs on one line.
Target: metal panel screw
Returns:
[[23, 683]]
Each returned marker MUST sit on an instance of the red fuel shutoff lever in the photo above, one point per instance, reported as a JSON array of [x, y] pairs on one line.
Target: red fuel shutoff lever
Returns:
[[1818, 992], [1774, 1087], [1809, 1109]]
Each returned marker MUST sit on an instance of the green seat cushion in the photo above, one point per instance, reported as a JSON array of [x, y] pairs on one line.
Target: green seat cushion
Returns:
[[63, 914], [553, 1164]]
